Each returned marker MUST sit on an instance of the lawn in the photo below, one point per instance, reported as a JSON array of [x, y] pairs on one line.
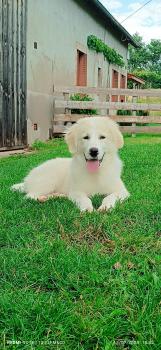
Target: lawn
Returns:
[[82, 281]]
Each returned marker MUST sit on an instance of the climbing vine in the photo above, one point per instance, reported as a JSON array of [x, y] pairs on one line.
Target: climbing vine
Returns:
[[111, 55]]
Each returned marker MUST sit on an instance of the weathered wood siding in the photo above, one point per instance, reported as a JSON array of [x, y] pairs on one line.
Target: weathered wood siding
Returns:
[[12, 73]]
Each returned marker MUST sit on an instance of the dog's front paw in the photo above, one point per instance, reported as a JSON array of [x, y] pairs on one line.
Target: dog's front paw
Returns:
[[82, 201], [86, 208], [108, 203], [124, 195], [42, 199], [105, 207]]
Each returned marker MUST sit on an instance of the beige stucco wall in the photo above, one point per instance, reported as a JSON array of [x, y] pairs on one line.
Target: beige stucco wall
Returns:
[[60, 28]]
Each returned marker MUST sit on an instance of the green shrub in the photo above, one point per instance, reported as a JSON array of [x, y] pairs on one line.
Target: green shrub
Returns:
[[129, 113], [124, 112], [82, 97], [138, 113]]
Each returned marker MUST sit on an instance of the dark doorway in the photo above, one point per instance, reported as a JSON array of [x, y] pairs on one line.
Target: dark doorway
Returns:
[[99, 77], [122, 86], [115, 76]]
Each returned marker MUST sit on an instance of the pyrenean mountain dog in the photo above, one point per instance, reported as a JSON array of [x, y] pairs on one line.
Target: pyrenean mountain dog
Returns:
[[95, 167]]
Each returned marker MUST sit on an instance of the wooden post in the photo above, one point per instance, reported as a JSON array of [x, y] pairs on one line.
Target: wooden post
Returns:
[[67, 110], [67, 98], [134, 100], [102, 98]]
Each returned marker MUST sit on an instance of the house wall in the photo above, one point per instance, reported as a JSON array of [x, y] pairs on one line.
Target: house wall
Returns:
[[60, 28]]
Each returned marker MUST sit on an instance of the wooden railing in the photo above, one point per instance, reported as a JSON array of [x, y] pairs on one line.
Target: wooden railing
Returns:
[[101, 102]]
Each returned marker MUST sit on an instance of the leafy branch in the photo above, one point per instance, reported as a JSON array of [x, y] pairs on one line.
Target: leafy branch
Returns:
[[111, 55]]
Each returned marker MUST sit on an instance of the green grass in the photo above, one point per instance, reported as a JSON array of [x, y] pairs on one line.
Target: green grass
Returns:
[[59, 281]]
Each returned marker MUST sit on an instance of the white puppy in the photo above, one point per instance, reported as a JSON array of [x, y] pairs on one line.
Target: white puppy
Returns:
[[94, 169]]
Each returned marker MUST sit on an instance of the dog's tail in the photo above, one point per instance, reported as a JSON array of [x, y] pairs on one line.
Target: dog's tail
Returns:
[[18, 187]]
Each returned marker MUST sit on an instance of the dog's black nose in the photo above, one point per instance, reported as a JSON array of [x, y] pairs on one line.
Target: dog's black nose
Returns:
[[93, 152]]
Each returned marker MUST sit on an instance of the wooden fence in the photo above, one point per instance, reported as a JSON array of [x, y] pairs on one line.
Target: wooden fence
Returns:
[[150, 123]]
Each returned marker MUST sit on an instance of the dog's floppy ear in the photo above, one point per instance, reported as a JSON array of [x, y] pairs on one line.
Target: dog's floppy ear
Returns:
[[116, 135], [71, 138]]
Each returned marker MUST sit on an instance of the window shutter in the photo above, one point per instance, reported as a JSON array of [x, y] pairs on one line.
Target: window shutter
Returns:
[[81, 68]]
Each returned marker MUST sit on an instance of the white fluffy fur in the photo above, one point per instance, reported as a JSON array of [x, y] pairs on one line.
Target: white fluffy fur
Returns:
[[70, 176]]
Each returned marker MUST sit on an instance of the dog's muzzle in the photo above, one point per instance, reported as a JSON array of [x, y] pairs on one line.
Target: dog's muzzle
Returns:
[[93, 164]]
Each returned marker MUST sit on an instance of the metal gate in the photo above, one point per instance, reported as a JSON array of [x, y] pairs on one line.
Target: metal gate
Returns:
[[13, 133]]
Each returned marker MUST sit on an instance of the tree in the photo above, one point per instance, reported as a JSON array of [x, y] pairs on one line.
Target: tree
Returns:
[[154, 49], [139, 57], [152, 78], [145, 61]]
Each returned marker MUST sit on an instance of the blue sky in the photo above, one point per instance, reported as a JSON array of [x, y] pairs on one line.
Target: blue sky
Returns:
[[147, 22]]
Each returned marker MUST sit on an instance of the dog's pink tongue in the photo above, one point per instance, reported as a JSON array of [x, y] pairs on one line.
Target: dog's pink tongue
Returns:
[[92, 165]]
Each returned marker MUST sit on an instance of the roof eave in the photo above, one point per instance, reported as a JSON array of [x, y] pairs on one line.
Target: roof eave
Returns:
[[131, 76], [117, 25]]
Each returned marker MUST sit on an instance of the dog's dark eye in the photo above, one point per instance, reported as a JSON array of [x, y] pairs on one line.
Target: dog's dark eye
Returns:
[[86, 137], [102, 137]]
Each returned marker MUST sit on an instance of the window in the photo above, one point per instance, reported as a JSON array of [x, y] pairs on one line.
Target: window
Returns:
[[81, 68], [99, 77], [115, 76]]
